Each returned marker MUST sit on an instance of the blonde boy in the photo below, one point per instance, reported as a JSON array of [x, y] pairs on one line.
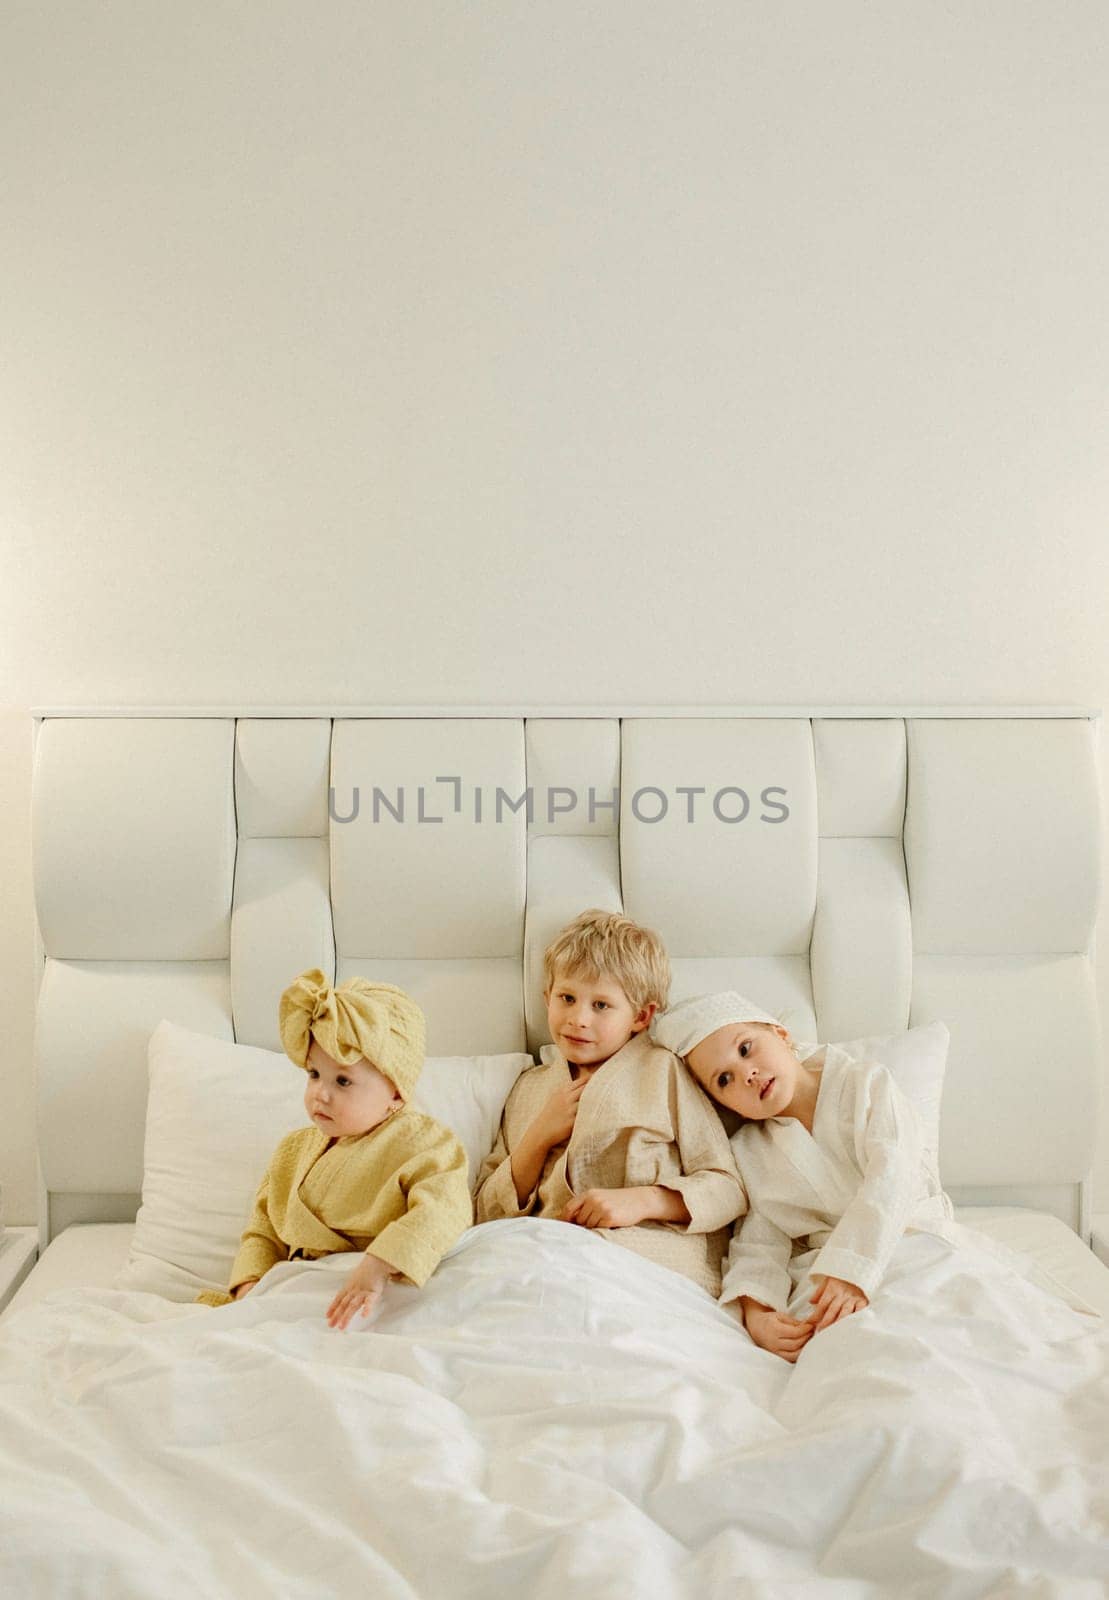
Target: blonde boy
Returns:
[[609, 1131]]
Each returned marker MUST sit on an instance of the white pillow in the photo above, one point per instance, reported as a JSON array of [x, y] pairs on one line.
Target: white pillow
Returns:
[[467, 1094], [216, 1111], [917, 1060]]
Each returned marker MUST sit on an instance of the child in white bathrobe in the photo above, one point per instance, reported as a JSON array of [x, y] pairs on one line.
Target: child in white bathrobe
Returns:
[[831, 1154]]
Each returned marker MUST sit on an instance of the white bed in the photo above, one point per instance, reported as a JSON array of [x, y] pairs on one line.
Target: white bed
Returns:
[[544, 1416], [91, 1255]]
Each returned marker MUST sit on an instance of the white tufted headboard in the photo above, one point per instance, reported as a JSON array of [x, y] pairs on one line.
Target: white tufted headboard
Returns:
[[856, 871]]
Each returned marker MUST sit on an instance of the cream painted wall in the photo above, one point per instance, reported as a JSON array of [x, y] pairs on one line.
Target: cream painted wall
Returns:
[[545, 353]]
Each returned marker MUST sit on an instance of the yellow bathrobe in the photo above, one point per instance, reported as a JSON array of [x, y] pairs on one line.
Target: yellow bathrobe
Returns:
[[400, 1192], [642, 1119]]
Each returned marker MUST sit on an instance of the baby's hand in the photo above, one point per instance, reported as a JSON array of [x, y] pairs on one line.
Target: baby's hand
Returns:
[[835, 1298], [361, 1292], [773, 1330], [609, 1208], [244, 1288]]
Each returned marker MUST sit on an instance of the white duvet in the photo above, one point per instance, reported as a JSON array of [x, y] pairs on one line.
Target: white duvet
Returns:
[[552, 1417]]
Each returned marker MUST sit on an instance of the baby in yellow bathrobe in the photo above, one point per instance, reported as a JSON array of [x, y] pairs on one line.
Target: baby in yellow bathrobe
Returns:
[[371, 1174]]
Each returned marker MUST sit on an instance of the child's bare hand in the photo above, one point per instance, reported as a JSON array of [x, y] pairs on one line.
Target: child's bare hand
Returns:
[[609, 1208], [554, 1123], [834, 1299], [771, 1330], [245, 1288], [361, 1292]]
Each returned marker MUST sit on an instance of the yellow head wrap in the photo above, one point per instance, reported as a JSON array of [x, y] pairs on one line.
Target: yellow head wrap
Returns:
[[359, 1018]]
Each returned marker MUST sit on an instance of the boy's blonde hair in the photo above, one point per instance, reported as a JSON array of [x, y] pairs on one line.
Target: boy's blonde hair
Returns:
[[604, 944]]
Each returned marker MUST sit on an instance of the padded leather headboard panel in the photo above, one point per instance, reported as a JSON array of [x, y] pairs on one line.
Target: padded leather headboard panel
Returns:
[[857, 875]]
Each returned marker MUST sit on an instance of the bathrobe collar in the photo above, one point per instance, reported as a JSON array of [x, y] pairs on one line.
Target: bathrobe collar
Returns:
[[818, 1157]]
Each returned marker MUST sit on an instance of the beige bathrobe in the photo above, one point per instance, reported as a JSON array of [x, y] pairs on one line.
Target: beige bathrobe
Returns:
[[641, 1120]]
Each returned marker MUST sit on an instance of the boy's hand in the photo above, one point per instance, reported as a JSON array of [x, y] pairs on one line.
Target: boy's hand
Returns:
[[834, 1299], [361, 1292], [245, 1288], [611, 1208], [773, 1330], [554, 1123]]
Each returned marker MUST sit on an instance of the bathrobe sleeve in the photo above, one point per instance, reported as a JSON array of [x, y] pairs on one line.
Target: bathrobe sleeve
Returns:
[[757, 1263], [260, 1248], [888, 1143], [495, 1195], [709, 1183], [436, 1183], [496, 1189]]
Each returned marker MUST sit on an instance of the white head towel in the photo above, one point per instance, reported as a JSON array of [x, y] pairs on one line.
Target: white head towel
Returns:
[[683, 1027]]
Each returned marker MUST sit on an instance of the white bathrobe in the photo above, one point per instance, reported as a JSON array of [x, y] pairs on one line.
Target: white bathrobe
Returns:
[[834, 1201]]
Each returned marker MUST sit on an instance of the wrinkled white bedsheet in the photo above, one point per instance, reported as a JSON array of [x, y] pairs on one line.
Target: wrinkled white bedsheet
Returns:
[[552, 1417]]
